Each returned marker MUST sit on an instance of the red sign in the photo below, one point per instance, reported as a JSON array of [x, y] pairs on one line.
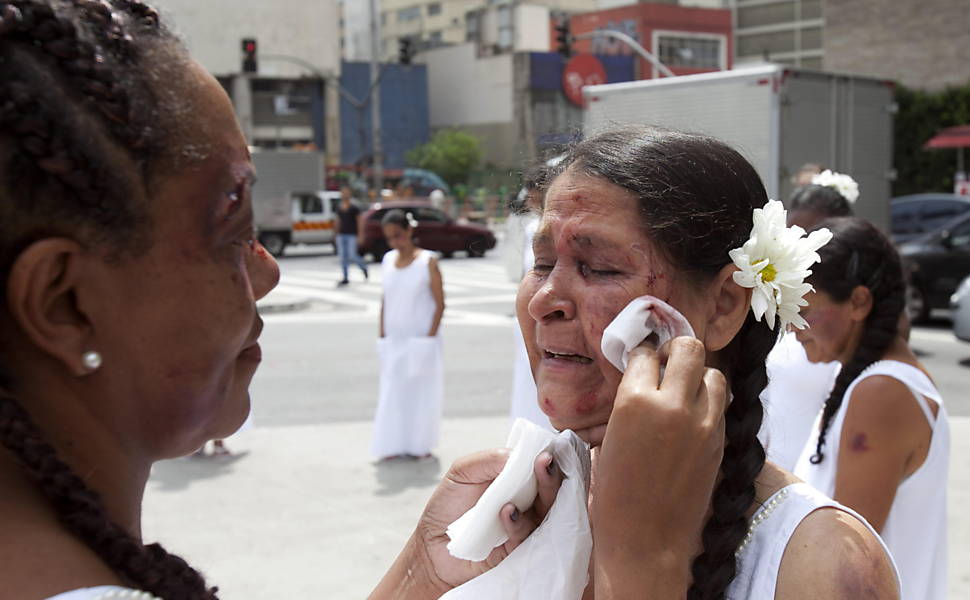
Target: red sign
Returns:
[[580, 71]]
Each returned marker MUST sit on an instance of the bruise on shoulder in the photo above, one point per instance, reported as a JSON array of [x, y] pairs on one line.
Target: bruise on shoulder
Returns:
[[859, 442], [866, 571]]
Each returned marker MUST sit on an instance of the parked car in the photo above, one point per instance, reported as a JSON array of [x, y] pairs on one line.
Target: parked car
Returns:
[[918, 214], [435, 231], [960, 304], [936, 263]]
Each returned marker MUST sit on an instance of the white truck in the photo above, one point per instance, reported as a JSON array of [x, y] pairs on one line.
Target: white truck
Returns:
[[289, 201], [778, 117]]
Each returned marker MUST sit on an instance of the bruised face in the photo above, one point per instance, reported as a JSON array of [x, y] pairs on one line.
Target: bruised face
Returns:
[[592, 257], [178, 328], [830, 332]]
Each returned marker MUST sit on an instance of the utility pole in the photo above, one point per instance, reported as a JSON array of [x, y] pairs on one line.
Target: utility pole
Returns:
[[375, 75]]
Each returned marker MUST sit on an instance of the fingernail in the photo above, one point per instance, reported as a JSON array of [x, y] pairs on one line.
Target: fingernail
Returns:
[[515, 515], [550, 466]]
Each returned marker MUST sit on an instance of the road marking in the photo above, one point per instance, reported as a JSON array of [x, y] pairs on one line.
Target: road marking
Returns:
[[932, 335]]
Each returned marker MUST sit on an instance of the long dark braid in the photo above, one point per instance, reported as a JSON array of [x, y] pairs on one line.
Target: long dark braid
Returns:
[[697, 197], [859, 255], [79, 135]]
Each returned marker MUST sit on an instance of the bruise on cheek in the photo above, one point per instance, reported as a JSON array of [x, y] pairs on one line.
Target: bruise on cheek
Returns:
[[548, 407], [586, 404], [860, 443]]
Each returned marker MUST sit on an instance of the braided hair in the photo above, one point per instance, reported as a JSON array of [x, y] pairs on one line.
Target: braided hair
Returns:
[[81, 131], [696, 196], [859, 255], [820, 199]]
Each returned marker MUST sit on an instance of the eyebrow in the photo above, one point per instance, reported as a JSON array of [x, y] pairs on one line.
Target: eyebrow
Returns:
[[542, 238]]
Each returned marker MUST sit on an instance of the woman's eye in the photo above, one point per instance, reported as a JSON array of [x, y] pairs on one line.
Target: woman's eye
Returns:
[[587, 271]]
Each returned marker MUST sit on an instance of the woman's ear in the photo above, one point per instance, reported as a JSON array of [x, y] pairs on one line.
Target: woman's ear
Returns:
[[42, 297], [731, 305], [860, 303]]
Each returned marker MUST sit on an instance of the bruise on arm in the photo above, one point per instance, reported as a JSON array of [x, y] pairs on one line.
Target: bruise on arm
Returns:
[[833, 555]]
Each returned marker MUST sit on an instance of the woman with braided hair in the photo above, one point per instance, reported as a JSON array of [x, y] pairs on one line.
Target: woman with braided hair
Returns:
[[129, 273], [881, 443], [683, 219]]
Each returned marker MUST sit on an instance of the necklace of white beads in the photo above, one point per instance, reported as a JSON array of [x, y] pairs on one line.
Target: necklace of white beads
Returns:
[[126, 594], [759, 517]]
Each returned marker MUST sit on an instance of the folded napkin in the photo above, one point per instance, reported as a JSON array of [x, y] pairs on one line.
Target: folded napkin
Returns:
[[642, 317], [553, 562]]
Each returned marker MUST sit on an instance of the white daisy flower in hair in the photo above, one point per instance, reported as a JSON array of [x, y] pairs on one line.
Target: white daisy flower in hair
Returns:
[[774, 262], [839, 182]]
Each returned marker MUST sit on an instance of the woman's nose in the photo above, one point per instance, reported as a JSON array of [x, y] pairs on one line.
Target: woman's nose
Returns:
[[552, 300], [264, 272]]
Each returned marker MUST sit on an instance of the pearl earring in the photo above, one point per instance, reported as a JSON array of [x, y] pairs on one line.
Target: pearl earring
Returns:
[[91, 360]]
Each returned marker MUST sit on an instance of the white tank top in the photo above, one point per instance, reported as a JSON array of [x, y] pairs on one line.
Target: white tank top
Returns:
[[409, 305], [915, 530], [770, 531]]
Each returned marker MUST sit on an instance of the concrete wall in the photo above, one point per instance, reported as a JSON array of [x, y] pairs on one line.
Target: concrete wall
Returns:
[[920, 43], [464, 90], [305, 29]]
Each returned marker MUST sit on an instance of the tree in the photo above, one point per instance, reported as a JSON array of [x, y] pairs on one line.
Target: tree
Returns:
[[921, 115], [453, 154]]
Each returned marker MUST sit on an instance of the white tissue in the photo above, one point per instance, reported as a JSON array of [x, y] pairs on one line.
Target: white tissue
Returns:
[[478, 531], [641, 317], [553, 562]]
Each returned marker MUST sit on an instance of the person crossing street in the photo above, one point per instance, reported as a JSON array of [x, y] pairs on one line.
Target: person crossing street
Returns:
[[349, 228]]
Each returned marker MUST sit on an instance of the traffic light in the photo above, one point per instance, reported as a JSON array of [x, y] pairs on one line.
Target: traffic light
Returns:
[[249, 64], [564, 39], [405, 51]]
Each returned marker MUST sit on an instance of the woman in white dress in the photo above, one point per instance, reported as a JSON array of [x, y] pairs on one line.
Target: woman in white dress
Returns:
[[408, 415], [685, 219], [881, 443]]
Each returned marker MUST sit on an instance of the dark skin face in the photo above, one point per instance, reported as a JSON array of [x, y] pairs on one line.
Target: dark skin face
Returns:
[[176, 326]]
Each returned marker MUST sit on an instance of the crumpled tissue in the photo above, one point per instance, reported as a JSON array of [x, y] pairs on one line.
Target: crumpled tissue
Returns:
[[642, 317], [553, 562]]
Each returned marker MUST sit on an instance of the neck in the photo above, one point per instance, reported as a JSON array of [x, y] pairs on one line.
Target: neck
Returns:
[[91, 450], [852, 343]]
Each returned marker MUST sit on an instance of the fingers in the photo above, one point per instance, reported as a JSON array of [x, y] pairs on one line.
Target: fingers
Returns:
[[685, 366], [549, 477], [480, 467], [516, 525], [643, 366]]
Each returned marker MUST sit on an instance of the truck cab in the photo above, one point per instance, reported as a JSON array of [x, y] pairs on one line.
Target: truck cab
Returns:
[[299, 218]]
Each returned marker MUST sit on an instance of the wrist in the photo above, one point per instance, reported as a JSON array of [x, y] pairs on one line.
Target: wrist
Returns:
[[620, 572], [411, 577]]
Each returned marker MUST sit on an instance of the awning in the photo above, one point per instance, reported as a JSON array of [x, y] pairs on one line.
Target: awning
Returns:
[[951, 137]]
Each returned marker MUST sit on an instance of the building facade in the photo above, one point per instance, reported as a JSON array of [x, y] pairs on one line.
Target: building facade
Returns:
[[686, 39], [919, 43], [782, 31]]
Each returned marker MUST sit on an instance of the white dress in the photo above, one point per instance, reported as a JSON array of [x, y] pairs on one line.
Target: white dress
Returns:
[[408, 415], [915, 530], [771, 530], [796, 391]]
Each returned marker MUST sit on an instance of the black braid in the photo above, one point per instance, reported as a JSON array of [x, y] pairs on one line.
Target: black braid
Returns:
[[78, 137], [80, 509], [696, 196], [744, 457], [859, 255]]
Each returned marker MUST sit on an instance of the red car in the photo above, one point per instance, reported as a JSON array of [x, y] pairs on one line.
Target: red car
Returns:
[[435, 231]]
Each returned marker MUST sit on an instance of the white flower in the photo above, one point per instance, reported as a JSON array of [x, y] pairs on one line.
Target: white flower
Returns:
[[839, 182], [775, 262]]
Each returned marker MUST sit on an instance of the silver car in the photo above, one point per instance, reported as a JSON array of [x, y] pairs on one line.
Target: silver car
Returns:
[[960, 303]]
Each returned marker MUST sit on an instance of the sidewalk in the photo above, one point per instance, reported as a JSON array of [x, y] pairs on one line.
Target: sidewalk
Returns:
[[302, 513]]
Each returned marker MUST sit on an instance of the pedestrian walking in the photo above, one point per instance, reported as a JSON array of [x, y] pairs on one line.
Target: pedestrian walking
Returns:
[[882, 443], [349, 230], [409, 348]]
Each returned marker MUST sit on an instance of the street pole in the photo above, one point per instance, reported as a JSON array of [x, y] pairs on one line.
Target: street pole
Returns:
[[375, 75], [632, 43], [242, 99]]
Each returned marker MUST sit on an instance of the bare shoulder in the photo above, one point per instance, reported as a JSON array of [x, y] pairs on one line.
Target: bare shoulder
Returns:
[[833, 555]]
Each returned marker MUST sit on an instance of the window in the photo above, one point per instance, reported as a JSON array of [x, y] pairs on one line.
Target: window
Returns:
[[434, 9], [934, 213], [505, 26], [310, 203], [812, 38], [435, 38], [754, 45], [426, 214], [472, 23], [411, 13], [692, 52], [766, 14], [960, 234]]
